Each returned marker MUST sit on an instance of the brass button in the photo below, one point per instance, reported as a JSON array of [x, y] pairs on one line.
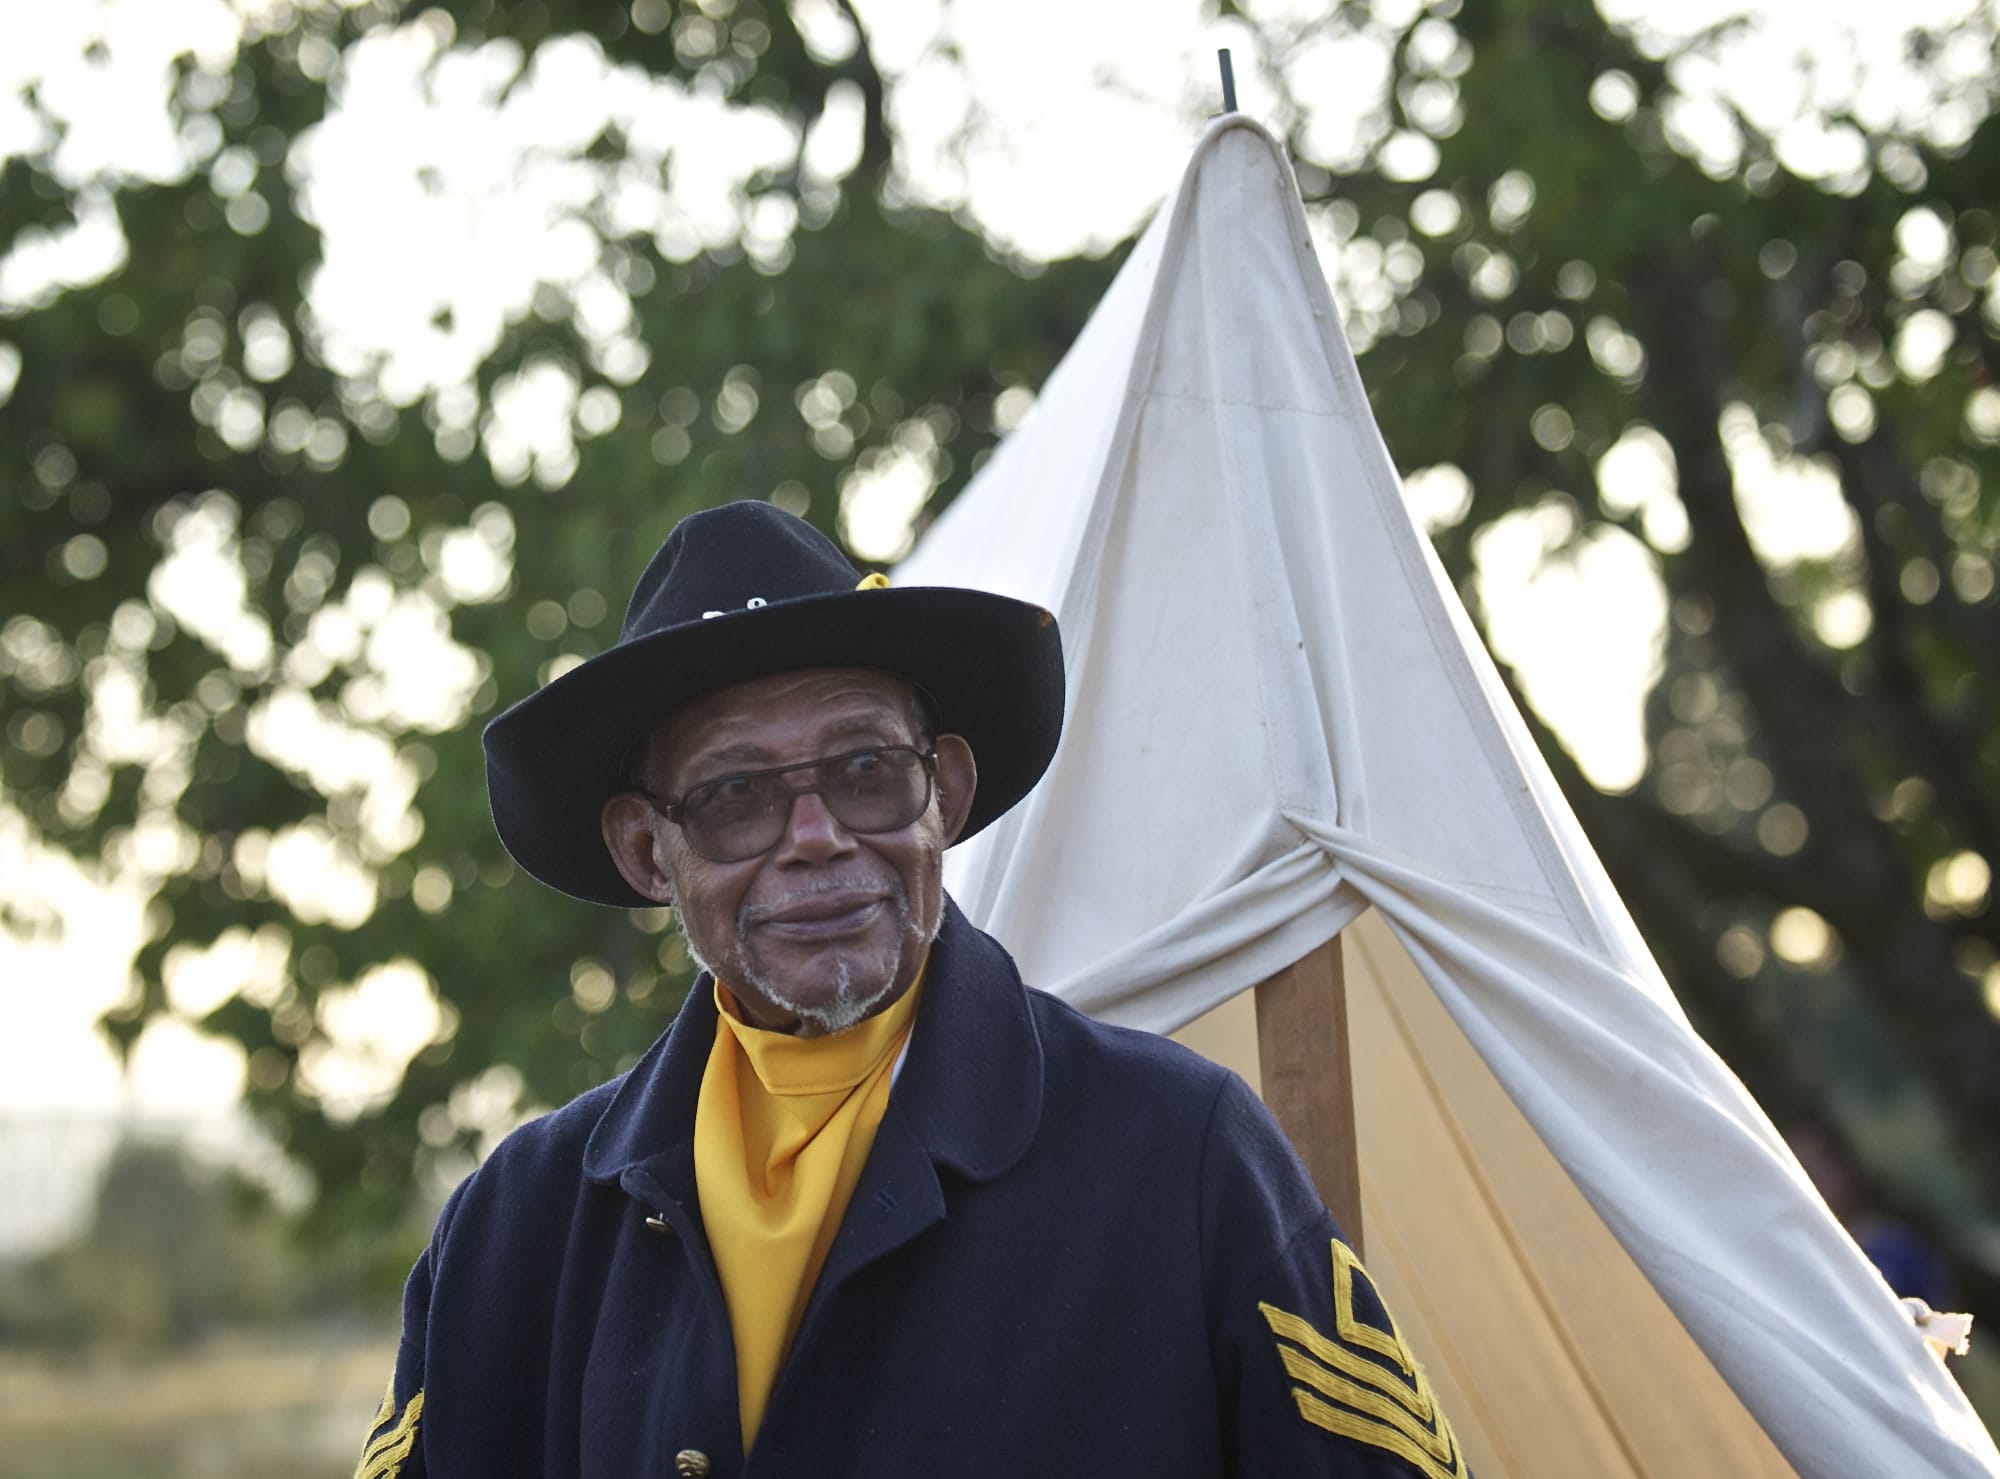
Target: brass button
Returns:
[[691, 1463]]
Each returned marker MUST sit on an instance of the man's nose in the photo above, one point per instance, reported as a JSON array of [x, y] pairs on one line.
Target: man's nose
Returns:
[[812, 832]]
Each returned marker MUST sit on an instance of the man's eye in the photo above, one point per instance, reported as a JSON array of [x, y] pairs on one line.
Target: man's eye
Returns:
[[731, 794], [863, 770]]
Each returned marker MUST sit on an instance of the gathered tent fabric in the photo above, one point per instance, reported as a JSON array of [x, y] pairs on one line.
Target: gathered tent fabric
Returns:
[[1282, 727]]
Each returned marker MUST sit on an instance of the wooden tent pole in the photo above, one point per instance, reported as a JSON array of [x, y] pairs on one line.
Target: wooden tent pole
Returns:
[[1308, 1079]]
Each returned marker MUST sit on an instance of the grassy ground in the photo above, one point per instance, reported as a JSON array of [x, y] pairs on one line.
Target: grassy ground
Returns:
[[263, 1405]]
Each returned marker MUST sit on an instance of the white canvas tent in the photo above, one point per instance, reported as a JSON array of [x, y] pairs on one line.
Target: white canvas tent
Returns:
[[1282, 728]]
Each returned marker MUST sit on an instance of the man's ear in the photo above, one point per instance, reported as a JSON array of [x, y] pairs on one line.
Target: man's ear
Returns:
[[957, 780], [627, 824]]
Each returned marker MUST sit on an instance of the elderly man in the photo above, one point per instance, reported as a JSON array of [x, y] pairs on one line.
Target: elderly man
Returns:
[[869, 1206]]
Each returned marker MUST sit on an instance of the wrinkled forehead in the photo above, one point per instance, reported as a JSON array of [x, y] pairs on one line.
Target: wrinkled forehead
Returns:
[[786, 716]]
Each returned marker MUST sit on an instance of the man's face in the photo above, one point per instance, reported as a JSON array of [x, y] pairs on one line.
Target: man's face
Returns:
[[828, 926]]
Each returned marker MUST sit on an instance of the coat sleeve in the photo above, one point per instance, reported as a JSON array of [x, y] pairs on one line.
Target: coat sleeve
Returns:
[[1315, 1378], [394, 1447]]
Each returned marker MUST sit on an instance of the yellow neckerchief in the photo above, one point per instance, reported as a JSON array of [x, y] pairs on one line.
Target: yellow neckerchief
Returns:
[[782, 1128]]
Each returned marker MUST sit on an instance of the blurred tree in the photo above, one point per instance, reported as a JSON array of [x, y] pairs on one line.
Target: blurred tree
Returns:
[[1589, 290], [174, 1251], [234, 541]]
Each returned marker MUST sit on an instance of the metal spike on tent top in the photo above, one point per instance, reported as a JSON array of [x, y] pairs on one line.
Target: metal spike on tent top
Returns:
[[1228, 81]]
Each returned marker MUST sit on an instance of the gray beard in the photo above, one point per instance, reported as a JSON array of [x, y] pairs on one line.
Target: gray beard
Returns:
[[851, 1003]]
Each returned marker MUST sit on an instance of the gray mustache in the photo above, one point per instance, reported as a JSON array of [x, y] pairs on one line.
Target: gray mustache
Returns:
[[892, 887]]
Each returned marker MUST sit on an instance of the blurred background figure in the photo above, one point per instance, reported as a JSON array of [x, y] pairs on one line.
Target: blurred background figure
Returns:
[[1909, 1262]]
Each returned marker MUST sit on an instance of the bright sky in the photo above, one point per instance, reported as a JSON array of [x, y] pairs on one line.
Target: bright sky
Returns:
[[1059, 126]]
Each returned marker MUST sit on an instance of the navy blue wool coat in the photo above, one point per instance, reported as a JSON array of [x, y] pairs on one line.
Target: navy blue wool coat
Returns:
[[1075, 1249]]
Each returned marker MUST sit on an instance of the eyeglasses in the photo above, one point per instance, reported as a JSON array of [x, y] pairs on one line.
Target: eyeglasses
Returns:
[[739, 816]]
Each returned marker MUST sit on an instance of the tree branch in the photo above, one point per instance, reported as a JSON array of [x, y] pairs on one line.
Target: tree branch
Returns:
[[877, 148]]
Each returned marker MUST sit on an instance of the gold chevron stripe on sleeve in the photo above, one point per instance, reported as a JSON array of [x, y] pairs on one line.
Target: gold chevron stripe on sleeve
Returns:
[[386, 1410], [1440, 1445], [1346, 1269], [1370, 1402], [387, 1449], [1361, 1430], [1290, 1327]]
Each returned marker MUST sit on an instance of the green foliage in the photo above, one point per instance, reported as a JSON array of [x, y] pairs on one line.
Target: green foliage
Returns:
[[186, 402]]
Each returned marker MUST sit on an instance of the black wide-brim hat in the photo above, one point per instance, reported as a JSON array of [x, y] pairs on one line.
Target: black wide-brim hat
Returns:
[[740, 592]]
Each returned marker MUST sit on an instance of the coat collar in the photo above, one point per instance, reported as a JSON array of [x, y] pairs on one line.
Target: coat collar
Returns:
[[970, 1090]]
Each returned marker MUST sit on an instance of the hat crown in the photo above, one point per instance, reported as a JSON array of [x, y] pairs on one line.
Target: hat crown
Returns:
[[738, 557]]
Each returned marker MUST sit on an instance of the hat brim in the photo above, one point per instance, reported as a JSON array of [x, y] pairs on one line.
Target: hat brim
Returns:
[[993, 665]]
